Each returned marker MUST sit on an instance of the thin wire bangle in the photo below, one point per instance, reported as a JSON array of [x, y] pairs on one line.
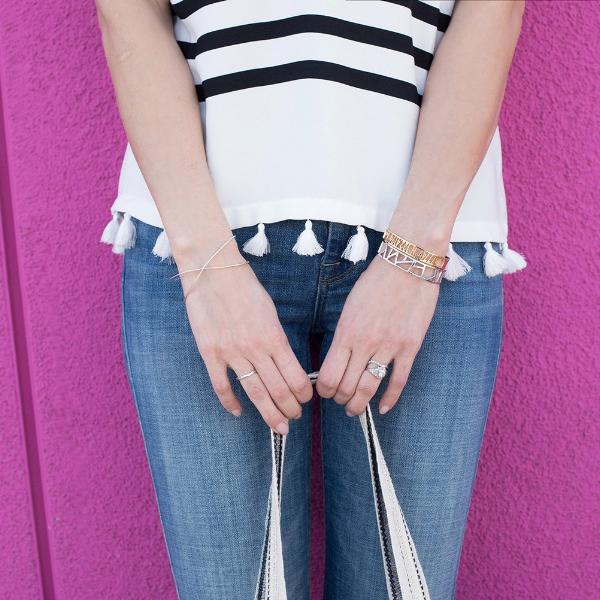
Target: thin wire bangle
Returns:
[[191, 288], [209, 259], [206, 268]]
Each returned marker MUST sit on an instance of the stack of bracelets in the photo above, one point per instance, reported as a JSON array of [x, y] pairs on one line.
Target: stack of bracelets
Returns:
[[411, 258]]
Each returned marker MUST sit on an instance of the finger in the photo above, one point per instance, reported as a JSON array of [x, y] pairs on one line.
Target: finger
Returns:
[[217, 371], [293, 373], [367, 386], [354, 370], [398, 379], [277, 387], [259, 396], [333, 368]]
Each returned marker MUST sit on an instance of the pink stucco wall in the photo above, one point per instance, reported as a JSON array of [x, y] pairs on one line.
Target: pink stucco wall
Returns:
[[77, 513]]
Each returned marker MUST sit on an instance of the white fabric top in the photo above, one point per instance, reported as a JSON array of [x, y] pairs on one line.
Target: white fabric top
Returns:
[[309, 111]]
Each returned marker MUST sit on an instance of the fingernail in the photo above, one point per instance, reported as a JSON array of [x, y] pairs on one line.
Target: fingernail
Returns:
[[282, 428], [299, 415], [383, 409], [236, 412], [349, 413]]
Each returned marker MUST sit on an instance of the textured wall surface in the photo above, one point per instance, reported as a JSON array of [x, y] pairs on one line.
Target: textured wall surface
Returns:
[[76, 504], [534, 523], [19, 569], [64, 141]]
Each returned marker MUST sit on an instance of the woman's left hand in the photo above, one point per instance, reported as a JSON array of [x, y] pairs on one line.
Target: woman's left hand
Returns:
[[385, 318]]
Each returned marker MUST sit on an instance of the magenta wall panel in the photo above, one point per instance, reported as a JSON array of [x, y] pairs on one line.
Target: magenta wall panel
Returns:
[[64, 141], [19, 568], [534, 529], [77, 508]]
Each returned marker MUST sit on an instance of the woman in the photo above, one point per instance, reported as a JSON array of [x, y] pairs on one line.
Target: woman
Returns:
[[270, 145]]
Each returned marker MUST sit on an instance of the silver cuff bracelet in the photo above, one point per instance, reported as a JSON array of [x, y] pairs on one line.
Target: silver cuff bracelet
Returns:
[[409, 264]]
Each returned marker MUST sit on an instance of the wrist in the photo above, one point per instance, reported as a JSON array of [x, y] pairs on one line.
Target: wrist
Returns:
[[194, 252], [428, 233], [425, 218]]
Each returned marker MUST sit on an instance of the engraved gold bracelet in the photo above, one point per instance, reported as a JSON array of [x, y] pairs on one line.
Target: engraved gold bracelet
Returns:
[[414, 251]]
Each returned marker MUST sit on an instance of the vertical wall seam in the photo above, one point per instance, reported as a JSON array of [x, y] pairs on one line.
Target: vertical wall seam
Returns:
[[21, 356]]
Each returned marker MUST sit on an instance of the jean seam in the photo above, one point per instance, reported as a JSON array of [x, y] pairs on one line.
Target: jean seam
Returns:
[[340, 277], [133, 393], [481, 437], [322, 425], [318, 300]]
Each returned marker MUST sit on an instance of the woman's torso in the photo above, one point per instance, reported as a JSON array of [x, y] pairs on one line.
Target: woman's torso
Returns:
[[309, 110]]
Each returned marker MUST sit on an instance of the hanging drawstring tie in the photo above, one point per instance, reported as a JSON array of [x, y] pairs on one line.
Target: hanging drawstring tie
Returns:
[[403, 572]]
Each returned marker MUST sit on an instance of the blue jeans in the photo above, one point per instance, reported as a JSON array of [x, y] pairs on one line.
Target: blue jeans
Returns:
[[211, 471]]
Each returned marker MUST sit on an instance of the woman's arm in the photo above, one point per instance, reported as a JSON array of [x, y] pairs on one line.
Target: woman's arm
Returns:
[[158, 105], [459, 114]]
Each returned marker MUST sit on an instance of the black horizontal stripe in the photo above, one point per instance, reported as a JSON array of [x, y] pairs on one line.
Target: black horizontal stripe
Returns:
[[269, 30], [419, 10], [185, 8], [308, 69], [425, 12]]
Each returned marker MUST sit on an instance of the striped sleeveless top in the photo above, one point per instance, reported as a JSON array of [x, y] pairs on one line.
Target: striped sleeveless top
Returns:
[[309, 111]]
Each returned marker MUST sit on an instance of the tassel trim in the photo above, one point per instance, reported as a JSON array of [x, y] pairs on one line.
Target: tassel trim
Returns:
[[515, 261], [125, 235], [457, 266], [121, 234], [357, 247], [110, 231], [258, 244], [493, 262], [307, 243], [162, 247]]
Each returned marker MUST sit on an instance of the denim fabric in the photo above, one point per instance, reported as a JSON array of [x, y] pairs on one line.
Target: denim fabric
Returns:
[[211, 471]]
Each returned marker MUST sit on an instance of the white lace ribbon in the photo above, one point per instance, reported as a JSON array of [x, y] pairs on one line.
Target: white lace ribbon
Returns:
[[403, 572]]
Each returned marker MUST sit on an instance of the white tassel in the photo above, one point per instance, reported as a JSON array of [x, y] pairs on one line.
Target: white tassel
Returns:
[[125, 237], [493, 262], [515, 261], [162, 246], [258, 244], [358, 246], [307, 244], [110, 231], [457, 266]]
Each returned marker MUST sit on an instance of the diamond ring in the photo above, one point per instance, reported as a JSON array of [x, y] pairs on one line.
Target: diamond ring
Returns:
[[376, 368]]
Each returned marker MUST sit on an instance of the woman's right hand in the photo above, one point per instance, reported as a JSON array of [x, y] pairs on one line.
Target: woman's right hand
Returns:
[[235, 324]]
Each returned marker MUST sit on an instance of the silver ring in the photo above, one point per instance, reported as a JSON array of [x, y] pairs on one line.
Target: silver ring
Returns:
[[246, 375], [378, 369]]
